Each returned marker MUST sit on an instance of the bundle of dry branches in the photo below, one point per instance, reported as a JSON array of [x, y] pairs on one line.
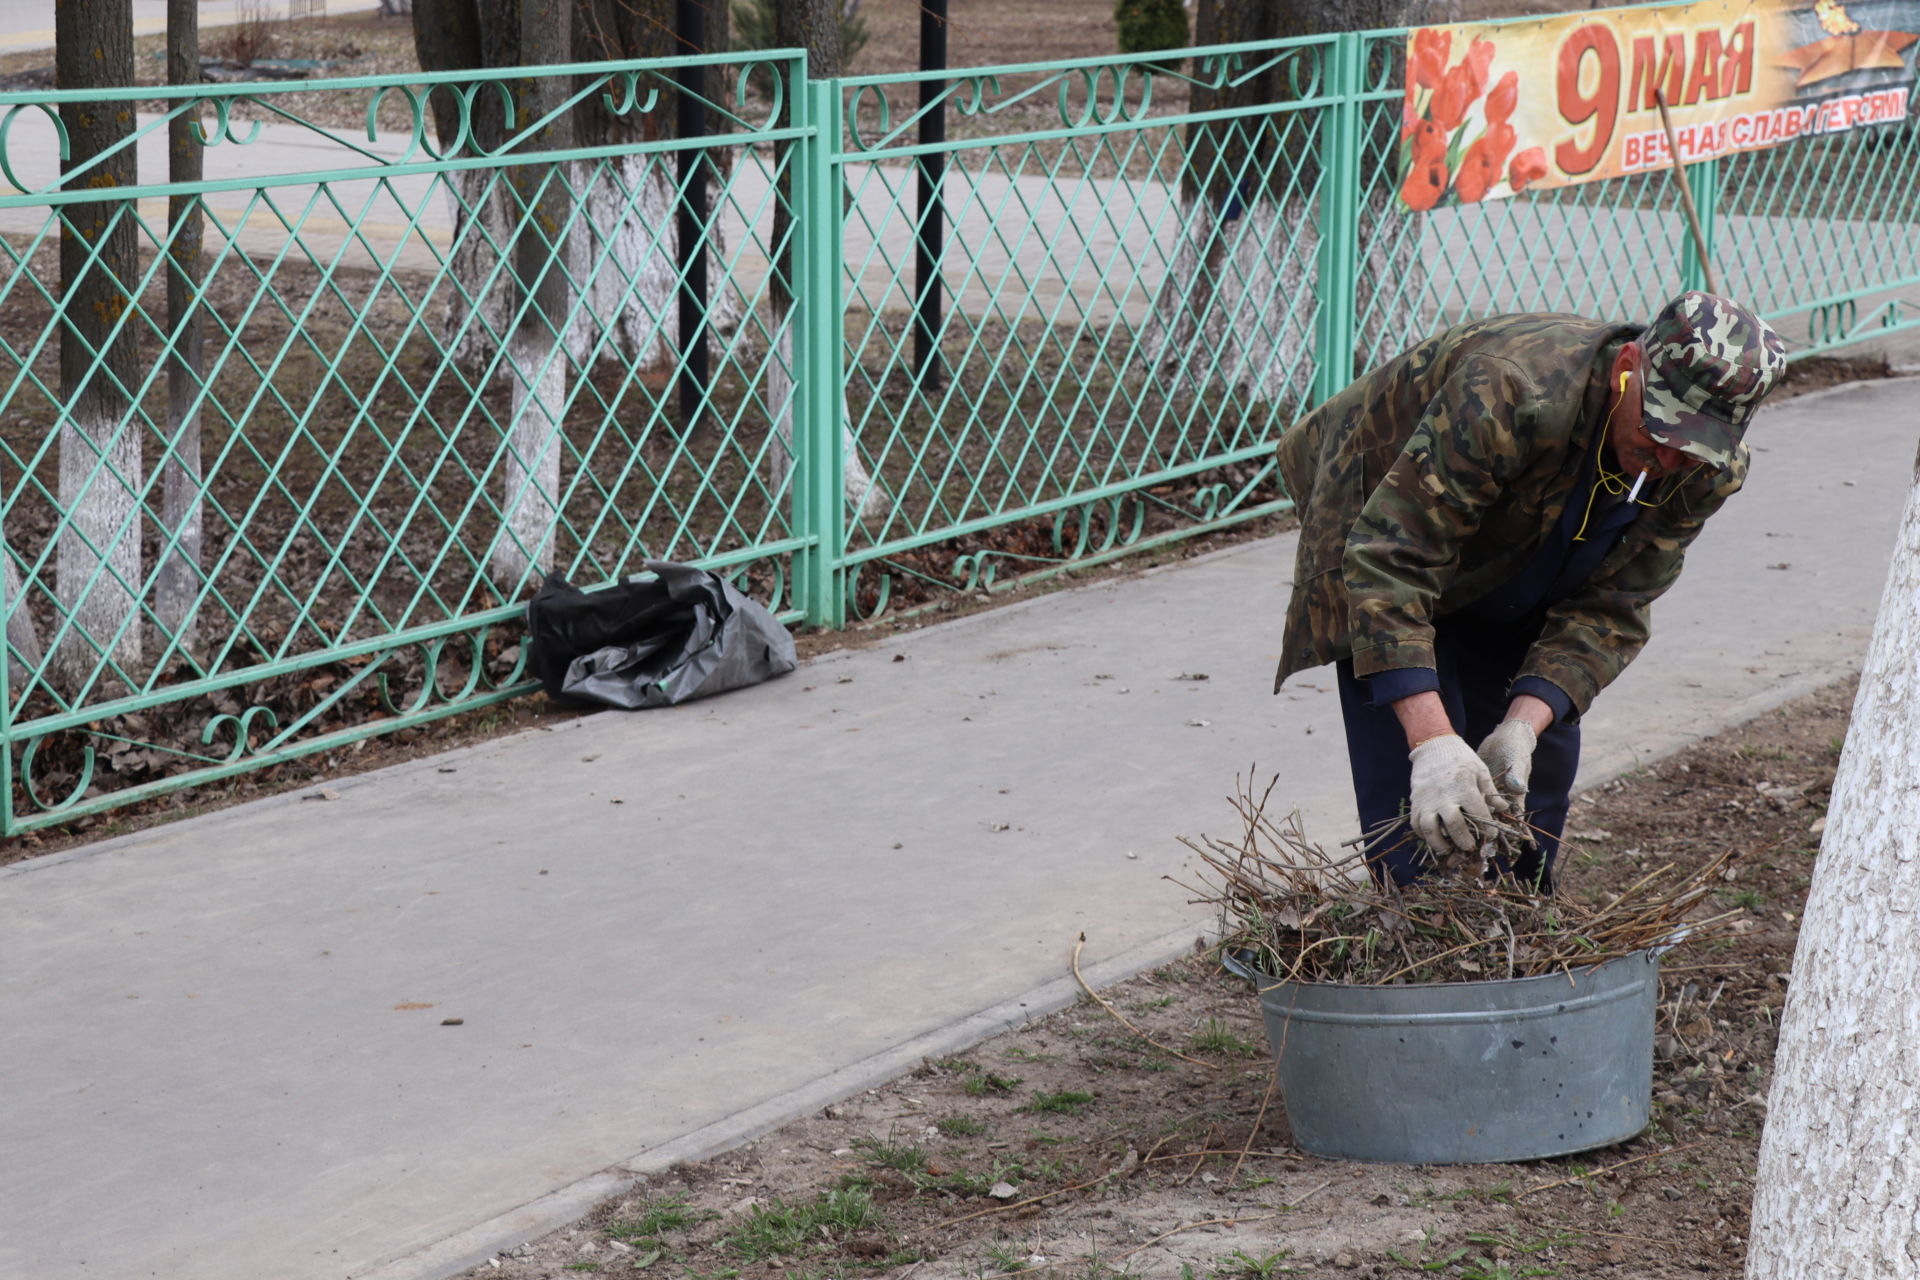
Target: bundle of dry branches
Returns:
[[1292, 911]]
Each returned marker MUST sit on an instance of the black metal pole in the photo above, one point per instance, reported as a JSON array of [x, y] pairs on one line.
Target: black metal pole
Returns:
[[690, 24], [931, 238]]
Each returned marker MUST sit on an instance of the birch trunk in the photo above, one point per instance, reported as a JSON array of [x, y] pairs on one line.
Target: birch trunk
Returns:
[[97, 562], [1836, 1195]]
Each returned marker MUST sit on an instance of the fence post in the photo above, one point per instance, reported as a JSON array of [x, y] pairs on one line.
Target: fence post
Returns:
[[692, 218], [1703, 180], [818, 440], [1334, 334], [7, 606]]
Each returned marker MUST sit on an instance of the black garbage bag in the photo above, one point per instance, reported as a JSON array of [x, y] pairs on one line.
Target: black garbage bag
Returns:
[[682, 633]]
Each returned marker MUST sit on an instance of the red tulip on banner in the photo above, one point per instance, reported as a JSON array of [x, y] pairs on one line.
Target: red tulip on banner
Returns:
[[1477, 174], [1528, 167], [1479, 61], [1451, 99], [1429, 61], [1426, 183], [1501, 101], [1429, 142]]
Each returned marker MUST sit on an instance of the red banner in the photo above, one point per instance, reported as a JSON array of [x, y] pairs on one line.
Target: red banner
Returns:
[[1493, 109]]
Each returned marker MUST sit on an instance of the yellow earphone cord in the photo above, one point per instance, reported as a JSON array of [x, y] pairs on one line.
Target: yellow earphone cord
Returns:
[[1614, 482]]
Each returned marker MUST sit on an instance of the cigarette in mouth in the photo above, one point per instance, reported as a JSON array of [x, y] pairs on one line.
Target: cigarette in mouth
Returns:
[[1635, 491]]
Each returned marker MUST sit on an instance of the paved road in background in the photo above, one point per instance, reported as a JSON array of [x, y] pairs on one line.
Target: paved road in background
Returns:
[[665, 931], [28, 24]]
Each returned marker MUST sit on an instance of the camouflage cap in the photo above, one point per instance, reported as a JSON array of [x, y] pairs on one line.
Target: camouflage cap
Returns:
[[1710, 362]]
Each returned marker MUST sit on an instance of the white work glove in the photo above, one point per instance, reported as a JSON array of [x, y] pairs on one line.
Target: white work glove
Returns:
[[1508, 755], [1451, 791]]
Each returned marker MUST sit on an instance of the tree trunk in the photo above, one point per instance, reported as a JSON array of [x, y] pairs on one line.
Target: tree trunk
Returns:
[[626, 222], [23, 642], [541, 205], [1834, 1196], [813, 25], [98, 557], [181, 508], [1236, 309]]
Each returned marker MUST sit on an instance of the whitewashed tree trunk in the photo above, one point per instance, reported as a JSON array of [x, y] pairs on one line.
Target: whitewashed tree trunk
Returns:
[[100, 465], [1242, 274], [530, 473], [23, 642], [866, 498], [99, 438], [1235, 312], [1837, 1195], [1239, 315], [621, 253], [182, 512], [182, 515]]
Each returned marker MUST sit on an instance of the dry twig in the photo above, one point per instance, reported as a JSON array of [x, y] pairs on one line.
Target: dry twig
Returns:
[[1595, 1173], [1073, 963], [1297, 914]]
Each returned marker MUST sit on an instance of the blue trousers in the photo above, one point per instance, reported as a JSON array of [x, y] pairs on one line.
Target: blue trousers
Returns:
[[1475, 662]]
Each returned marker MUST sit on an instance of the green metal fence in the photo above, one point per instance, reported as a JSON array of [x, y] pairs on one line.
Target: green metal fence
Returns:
[[440, 344]]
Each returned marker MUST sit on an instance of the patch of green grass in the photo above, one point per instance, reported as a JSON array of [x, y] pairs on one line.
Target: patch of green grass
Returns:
[[1484, 1268], [962, 1183], [1215, 1036], [885, 1153], [961, 1126], [1052, 1171], [1068, 1102], [1428, 1258], [1008, 1258], [1028, 1055], [661, 1216], [1750, 899], [1241, 1265], [1156, 1002], [1499, 1193], [779, 1228], [983, 1083]]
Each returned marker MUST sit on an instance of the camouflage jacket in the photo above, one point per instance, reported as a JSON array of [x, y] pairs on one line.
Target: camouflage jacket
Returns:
[[1435, 478]]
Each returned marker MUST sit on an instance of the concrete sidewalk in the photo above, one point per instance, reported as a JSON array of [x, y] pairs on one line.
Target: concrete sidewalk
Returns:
[[225, 1053]]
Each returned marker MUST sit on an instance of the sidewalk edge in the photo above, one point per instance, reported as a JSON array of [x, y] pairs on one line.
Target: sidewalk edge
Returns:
[[556, 1209]]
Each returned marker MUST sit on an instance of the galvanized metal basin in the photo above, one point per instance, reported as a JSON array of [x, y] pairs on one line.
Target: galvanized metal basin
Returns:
[[1466, 1072]]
